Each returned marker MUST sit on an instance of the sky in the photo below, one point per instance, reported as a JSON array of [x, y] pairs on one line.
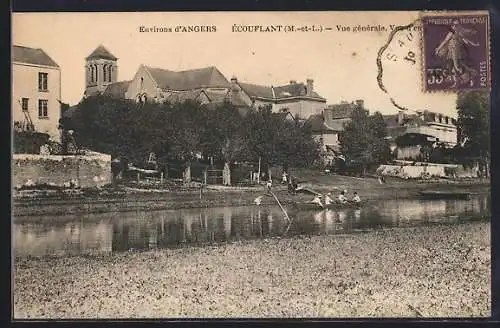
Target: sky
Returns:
[[342, 63]]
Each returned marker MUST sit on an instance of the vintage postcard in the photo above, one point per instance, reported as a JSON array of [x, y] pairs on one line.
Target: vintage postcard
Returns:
[[251, 165]]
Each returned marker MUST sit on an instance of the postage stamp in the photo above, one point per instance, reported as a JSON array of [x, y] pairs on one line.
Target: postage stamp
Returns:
[[456, 51]]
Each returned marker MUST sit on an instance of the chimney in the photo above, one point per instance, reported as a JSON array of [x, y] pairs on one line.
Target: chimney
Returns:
[[310, 86], [234, 84], [360, 103], [293, 82]]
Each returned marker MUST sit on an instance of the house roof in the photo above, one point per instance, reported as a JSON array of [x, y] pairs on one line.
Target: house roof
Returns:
[[189, 79], [293, 90], [317, 123], [101, 53], [217, 97], [254, 90], [32, 56], [237, 100], [117, 89], [342, 110], [336, 125], [321, 124], [278, 92]]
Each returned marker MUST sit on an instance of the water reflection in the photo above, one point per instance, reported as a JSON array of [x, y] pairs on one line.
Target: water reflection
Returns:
[[108, 232]]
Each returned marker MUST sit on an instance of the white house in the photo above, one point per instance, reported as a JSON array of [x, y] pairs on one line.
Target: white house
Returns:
[[36, 91]]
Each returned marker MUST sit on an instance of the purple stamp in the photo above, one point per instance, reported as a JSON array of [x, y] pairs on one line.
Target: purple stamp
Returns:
[[456, 51]]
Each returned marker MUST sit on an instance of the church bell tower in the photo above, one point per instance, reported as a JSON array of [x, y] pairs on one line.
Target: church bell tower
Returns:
[[100, 71]]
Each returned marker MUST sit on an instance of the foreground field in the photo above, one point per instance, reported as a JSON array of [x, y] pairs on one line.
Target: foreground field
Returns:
[[434, 271]]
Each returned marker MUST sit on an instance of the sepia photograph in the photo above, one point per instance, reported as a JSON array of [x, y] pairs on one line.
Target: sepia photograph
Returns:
[[192, 165]]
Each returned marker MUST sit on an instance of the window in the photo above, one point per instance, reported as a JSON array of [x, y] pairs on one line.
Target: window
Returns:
[[43, 111], [104, 72], [96, 73], [109, 72], [24, 104], [42, 81]]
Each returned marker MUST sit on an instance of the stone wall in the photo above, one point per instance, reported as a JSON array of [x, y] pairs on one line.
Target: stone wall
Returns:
[[427, 171], [91, 169]]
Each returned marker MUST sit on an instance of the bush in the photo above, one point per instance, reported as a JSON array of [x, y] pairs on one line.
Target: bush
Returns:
[[27, 142]]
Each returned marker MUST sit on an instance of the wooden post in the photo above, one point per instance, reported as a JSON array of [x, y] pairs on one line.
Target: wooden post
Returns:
[[187, 174], [161, 178], [205, 176], [258, 177], [138, 177], [77, 170], [226, 175]]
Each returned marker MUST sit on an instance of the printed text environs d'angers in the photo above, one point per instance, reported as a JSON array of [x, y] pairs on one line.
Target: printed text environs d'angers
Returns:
[[178, 29]]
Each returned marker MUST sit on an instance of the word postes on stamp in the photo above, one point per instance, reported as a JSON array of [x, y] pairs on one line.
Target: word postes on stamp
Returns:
[[456, 50]]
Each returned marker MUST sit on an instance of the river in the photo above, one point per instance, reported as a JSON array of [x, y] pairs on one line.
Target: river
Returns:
[[142, 230]]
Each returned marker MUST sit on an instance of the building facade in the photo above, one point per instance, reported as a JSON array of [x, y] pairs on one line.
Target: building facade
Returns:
[[411, 133], [329, 124], [297, 98], [36, 91]]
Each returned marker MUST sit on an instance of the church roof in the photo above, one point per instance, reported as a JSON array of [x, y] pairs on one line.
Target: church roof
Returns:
[[117, 89], [32, 56], [209, 77], [101, 53]]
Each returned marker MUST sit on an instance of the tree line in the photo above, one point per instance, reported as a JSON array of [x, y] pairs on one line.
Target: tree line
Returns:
[[225, 133], [185, 131]]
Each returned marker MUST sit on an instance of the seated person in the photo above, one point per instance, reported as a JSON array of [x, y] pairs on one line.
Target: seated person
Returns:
[[328, 200], [342, 198], [317, 200], [269, 184], [356, 198]]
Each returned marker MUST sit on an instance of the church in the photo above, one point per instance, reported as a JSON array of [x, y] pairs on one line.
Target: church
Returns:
[[206, 85]]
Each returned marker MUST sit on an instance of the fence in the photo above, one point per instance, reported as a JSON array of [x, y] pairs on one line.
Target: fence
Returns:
[[215, 176]]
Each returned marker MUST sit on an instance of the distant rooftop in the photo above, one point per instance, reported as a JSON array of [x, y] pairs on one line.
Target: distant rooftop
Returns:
[[33, 56], [293, 89], [101, 53]]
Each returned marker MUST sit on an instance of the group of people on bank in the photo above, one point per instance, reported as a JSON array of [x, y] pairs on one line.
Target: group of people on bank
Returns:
[[342, 199]]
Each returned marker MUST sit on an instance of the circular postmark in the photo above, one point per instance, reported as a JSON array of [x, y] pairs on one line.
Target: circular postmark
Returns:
[[399, 65]]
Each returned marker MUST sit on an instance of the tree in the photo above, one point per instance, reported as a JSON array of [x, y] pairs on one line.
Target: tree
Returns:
[[363, 140], [473, 125], [278, 140], [380, 149]]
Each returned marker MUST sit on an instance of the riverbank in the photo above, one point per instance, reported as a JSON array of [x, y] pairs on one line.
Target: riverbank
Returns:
[[431, 271], [131, 199]]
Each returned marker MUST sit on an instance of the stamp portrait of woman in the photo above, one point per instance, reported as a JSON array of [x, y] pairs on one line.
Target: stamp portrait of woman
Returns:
[[454, 51]]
